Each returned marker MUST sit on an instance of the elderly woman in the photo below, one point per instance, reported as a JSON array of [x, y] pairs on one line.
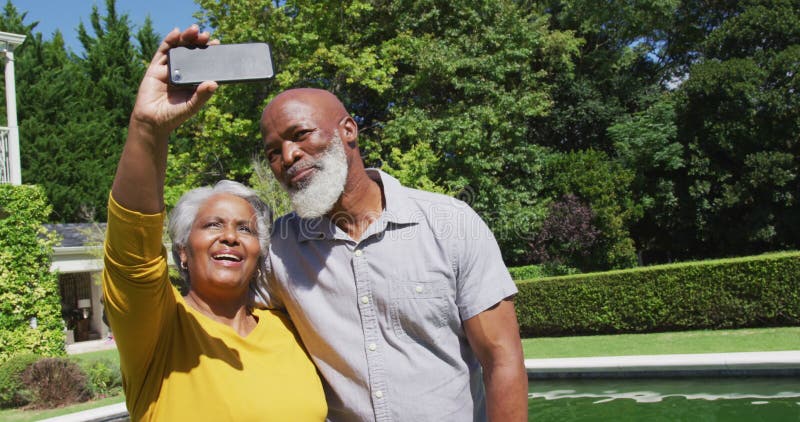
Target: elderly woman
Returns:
[[208, 355]]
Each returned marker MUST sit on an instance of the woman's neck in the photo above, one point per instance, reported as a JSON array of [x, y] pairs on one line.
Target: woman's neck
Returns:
[[235, 314]]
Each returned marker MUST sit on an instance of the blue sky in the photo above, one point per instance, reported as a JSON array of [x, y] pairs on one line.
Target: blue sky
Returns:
[[66, 14]]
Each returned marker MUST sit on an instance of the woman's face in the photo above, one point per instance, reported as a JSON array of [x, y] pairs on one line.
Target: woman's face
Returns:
[[223, 250]]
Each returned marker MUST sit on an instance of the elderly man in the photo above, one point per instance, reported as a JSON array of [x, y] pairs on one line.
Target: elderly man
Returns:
[[400, 296]]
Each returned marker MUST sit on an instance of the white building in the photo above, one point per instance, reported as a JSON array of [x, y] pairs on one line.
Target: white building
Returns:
[[78, 260], [10, 168]]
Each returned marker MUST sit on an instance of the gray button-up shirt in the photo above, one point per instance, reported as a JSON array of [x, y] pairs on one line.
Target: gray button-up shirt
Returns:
[[382, 317]]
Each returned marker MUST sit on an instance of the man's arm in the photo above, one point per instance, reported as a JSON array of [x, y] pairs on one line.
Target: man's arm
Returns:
[[494, 336]]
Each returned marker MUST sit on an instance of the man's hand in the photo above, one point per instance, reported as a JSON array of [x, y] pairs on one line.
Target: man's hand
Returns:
[[494, 336]]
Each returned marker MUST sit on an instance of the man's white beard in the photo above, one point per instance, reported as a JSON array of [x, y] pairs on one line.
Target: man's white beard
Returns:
[[316, 196]]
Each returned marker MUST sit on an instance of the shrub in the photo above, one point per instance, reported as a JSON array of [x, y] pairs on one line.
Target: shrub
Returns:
[[12, 391], [567, 234], [27, 287], [55, 382], [732, 293], [530, 272], [104, 377]]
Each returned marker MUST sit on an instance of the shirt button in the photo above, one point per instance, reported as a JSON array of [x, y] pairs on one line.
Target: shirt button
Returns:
[[359, 253], [418, 289], [365, 299], [379, 394], [373, 346]]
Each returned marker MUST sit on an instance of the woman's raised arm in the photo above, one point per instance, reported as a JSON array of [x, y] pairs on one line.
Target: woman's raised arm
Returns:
[[158, 110]]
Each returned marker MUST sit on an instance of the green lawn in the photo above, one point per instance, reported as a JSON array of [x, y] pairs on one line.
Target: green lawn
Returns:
[[90, 357], [17, 415], [705, 341]]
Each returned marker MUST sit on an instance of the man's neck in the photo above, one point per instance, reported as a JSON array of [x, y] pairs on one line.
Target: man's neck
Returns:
[[361, 203]]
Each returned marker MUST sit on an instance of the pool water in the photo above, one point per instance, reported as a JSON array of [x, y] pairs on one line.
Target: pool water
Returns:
[[667, 399]]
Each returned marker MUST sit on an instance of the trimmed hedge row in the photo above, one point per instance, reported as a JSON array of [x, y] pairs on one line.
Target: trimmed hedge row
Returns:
[[528, 272], [754, 291]]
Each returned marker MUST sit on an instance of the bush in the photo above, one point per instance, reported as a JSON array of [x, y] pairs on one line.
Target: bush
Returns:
[[27, 287], [530, 272], [732, 293], [55, 382], [104, 377], [12, 391]]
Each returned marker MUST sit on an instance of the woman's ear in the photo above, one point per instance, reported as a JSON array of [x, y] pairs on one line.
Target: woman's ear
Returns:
[[184, 258]]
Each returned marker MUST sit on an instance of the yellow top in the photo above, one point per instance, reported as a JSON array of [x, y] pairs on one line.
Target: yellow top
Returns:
[[177, 364]]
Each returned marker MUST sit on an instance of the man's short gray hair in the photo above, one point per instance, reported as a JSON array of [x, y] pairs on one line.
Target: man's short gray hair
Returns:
[[183, 215]]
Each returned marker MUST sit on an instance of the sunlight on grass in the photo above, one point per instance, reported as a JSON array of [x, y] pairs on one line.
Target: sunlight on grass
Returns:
[[701, 341], [17, 415]]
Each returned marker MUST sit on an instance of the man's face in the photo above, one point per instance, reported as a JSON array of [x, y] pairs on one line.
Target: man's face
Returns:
[[306, 155], [317, 190]]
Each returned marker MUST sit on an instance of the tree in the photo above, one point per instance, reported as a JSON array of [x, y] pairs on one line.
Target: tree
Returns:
[[739, 116], [73, 110], [567, 235], [603, 184], [646, 143], [616, 68]]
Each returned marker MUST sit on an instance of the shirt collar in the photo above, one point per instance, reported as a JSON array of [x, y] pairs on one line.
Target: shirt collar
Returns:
[[399, 207]]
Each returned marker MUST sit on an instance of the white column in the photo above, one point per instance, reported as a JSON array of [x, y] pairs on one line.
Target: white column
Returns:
[[13, 130]]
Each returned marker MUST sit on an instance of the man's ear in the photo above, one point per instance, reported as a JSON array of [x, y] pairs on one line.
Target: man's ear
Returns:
[[349, 130]]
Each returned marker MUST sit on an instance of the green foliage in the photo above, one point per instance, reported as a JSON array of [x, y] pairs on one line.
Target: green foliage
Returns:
[[469, 96], [54, 382], [739, 117], [530, 272], [604, 185], [28, 379], [216, 144], [733, 293], [27, 287], [268, 188], [73, 109], [12, 389], [646, 143], [413, 169], [104, 377], [612, 71]]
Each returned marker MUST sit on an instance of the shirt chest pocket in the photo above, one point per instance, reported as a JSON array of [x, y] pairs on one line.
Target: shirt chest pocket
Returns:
[[419, 309]]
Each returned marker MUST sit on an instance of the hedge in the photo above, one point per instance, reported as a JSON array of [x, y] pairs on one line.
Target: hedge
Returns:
[[746, 292], [27, 287], [527, 272]]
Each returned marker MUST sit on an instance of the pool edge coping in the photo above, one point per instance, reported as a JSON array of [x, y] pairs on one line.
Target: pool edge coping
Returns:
[[780, 363]]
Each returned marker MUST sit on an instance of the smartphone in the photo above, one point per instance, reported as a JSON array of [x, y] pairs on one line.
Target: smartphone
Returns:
[[222, 63]]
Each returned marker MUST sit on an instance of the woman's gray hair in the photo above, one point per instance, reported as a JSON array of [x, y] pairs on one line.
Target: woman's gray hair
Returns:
[[183, 215]]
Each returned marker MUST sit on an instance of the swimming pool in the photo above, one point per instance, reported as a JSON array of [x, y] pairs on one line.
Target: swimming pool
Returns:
[[665, 399]]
